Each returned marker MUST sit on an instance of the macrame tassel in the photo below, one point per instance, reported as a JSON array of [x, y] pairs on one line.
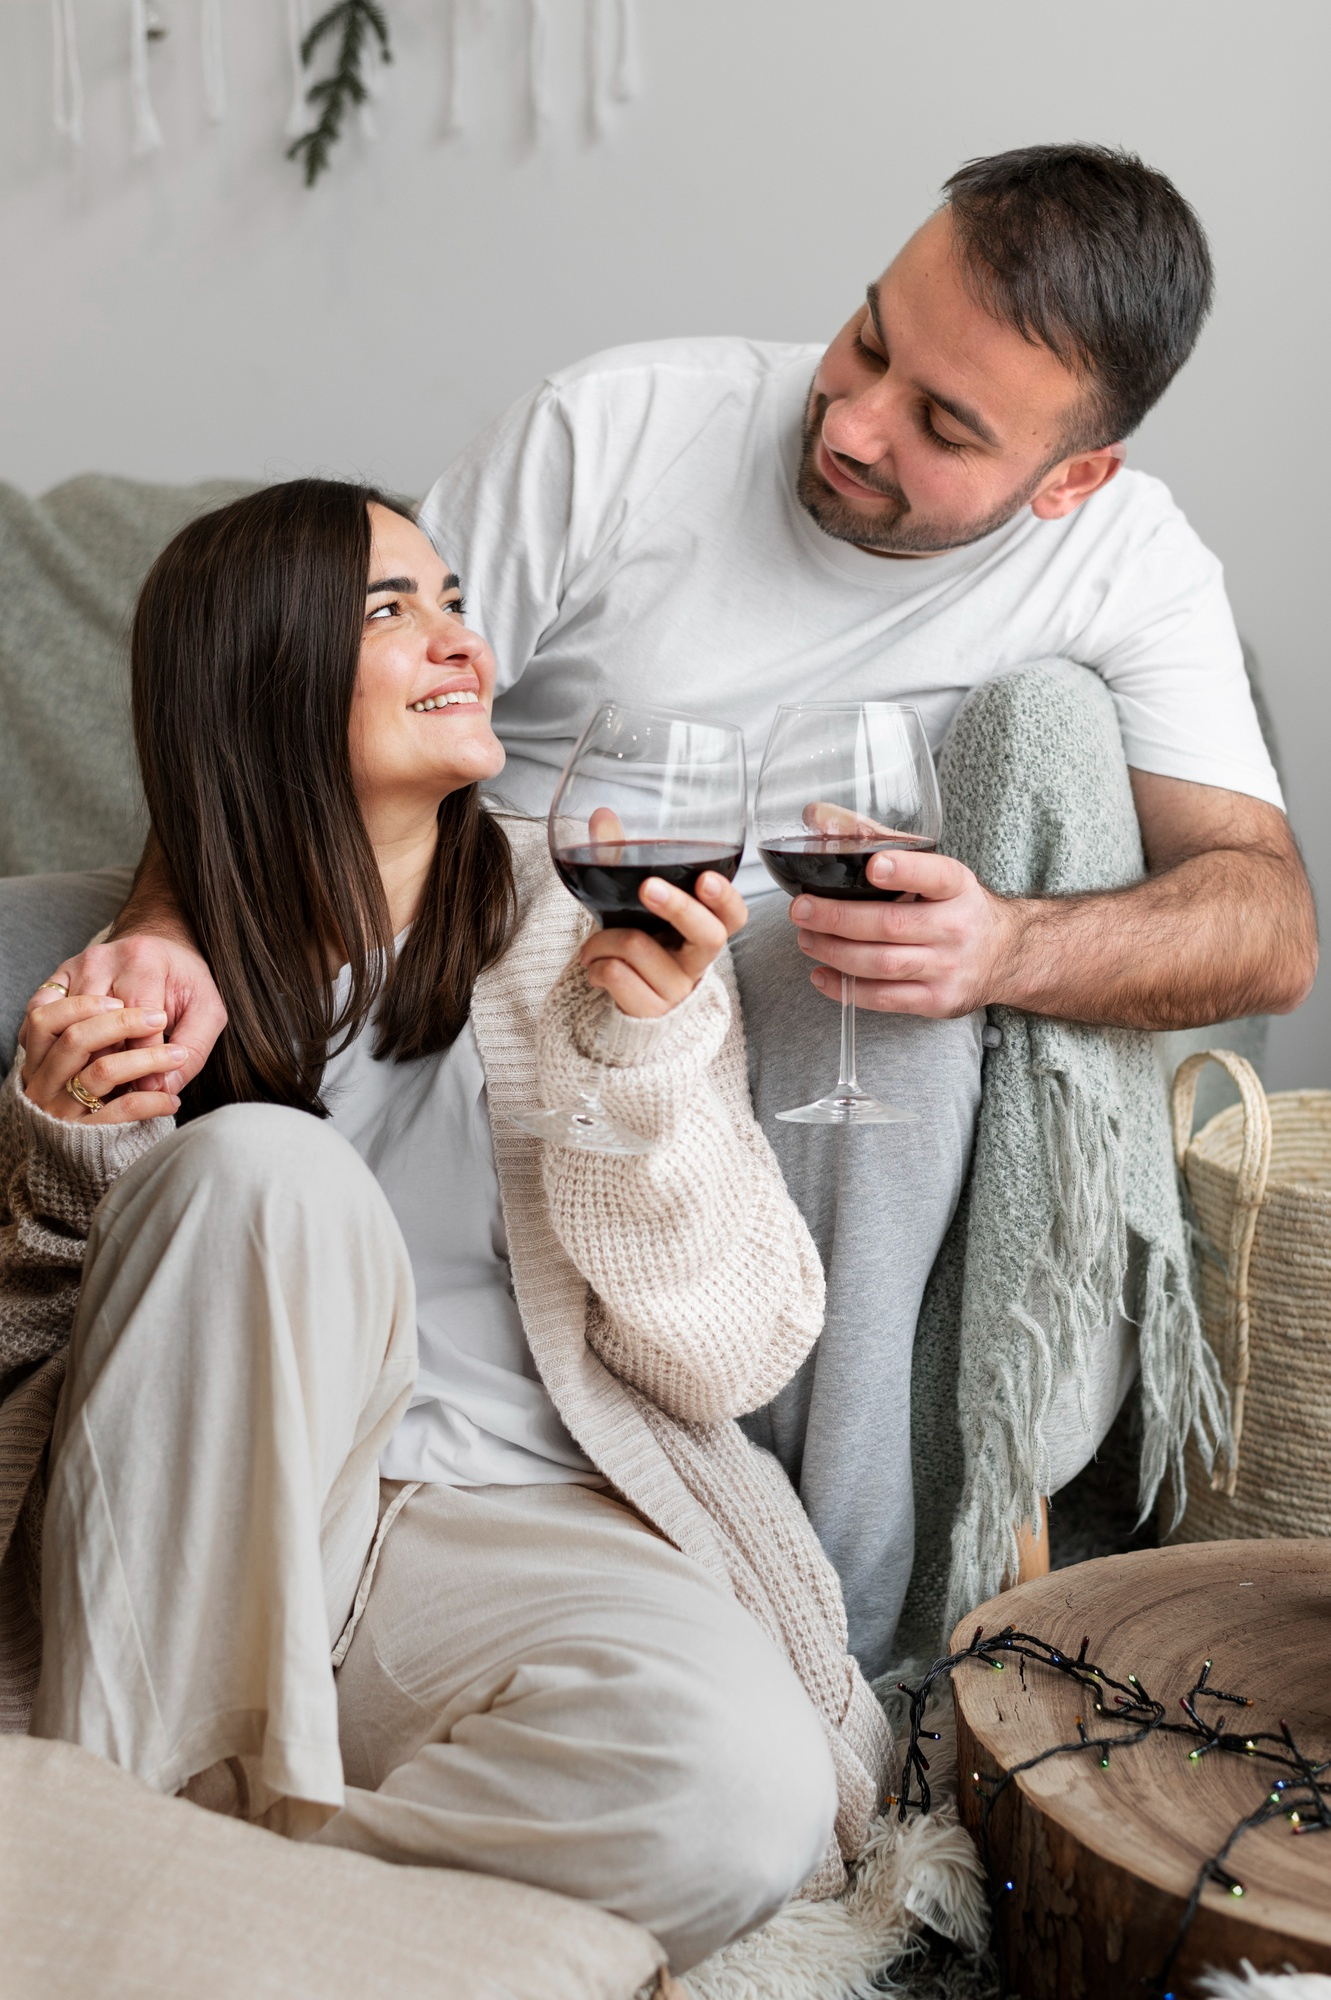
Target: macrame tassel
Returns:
[[147, 131], [300, 117], [624, 80], [214, 60], [68, 74], [538, 66], [595, 107], [452, 119]]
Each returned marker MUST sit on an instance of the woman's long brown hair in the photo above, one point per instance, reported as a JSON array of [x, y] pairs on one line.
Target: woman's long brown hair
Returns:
[[245, 650]]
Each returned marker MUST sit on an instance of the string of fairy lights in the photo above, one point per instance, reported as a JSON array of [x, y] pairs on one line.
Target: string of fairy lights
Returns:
[[1301, 1796]]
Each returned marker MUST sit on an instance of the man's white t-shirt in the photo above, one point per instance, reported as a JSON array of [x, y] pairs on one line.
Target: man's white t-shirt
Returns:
[[630, 530]]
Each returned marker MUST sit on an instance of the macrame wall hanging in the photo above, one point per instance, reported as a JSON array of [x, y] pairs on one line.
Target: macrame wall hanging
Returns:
[[338, 55]]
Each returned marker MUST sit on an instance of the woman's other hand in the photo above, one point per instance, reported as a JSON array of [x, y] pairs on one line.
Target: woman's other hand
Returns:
[[155, 970], [83, 1037], [643, 977]]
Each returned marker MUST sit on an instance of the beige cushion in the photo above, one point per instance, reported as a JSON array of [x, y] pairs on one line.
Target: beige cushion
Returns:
[[107, 1889]]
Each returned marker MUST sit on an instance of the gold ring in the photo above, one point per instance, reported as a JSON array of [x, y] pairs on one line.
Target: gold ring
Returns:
[[60, 986], [82, 1095]]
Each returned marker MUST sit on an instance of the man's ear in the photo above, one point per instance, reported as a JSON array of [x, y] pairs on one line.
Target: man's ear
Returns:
[[1075, 480]]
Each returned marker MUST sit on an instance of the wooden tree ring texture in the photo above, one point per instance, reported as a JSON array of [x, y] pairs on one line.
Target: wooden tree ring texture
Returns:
[[1102, 1861]]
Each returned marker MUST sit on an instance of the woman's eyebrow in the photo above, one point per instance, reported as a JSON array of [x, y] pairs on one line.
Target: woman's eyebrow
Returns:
[[408, 585]]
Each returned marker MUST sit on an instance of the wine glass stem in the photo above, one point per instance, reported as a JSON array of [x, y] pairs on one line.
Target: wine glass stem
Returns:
[[847, 1082]]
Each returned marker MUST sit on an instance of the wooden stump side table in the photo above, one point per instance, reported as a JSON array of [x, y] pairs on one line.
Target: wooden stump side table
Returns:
[[1101, 1861]]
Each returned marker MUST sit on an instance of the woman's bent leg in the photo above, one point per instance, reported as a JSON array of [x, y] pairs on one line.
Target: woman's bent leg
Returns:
[[542, 1688], [244, 1346]]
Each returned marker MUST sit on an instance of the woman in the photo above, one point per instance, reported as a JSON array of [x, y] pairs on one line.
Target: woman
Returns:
[[517, 1611]]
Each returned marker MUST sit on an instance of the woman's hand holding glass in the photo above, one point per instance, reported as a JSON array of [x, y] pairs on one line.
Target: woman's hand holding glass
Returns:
[[646, 830], [81, 1038], [644, 977]]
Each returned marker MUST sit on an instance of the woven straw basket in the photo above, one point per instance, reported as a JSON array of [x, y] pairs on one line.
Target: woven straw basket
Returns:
[[1260, 1177]]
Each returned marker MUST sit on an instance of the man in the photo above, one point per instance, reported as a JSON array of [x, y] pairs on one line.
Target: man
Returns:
[[722, 525]]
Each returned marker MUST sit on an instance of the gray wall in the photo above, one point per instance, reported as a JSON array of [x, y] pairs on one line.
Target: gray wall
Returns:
[[202, 313]]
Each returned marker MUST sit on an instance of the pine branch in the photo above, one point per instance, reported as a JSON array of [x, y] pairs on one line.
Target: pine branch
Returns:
[[346, 84]]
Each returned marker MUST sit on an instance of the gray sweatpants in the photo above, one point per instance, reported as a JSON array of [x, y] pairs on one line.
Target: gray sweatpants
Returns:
[[878, 1200]]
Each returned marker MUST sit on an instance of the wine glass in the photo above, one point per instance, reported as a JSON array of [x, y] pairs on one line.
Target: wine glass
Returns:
[[841, 782], [647, 792]]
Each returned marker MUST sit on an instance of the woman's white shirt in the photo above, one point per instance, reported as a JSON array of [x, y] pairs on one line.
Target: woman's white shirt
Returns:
[[480, 1415]]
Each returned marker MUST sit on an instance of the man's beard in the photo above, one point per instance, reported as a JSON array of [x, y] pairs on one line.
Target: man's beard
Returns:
[[893, 531]]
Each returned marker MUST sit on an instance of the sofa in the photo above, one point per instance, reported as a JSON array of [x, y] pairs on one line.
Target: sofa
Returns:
[[104, 1886]]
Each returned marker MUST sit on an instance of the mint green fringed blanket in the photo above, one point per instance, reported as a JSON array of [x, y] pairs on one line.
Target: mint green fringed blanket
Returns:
[[1072, 1207]]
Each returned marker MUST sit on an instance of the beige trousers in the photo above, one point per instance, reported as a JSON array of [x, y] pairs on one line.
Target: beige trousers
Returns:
[[539, 1686]]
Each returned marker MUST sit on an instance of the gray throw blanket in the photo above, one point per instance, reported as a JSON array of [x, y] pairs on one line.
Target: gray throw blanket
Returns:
[[1072, 1205], [71, 564]]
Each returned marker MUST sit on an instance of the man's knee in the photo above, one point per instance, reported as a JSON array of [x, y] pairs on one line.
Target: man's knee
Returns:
[[1044, 741]]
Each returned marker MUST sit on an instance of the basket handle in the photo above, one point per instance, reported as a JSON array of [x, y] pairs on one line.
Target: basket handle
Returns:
[[1249, 1190]]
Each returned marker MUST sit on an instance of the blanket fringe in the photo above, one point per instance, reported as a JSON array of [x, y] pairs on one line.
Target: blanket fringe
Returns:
[[1075, 1287], [1183, 1392]]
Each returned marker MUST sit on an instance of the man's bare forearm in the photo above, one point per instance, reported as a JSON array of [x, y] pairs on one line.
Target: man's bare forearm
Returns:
[[1215, 937], [1222, 926], [151, 909]]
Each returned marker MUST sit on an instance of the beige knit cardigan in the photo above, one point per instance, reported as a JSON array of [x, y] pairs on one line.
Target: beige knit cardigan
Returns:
[[662, 1294]]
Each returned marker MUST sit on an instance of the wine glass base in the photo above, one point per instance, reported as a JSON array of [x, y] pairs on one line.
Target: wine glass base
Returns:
[[848, 1110], [588, 1131]]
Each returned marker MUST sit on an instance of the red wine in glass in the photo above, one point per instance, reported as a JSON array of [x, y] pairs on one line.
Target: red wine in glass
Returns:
[[818, 864], [646, 792], [841, 782], [607, 875]]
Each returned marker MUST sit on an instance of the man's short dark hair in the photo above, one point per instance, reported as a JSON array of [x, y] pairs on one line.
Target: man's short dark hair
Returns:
[[1095, 255]]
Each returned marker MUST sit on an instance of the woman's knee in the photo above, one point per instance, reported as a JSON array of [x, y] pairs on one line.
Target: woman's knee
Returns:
[[239, 1155], [233, 1211]]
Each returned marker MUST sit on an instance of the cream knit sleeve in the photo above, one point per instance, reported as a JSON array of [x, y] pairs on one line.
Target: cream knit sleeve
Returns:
[[707, 1289], [53, 1173]]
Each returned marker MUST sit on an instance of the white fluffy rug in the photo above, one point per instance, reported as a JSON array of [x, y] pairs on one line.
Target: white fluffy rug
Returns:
[[1250, 1985]]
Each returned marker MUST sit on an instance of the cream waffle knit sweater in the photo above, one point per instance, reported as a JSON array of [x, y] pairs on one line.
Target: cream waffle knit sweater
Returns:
[[663, 1294]]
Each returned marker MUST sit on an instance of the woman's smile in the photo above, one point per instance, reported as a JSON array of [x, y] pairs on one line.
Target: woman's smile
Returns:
[[446, 698]]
